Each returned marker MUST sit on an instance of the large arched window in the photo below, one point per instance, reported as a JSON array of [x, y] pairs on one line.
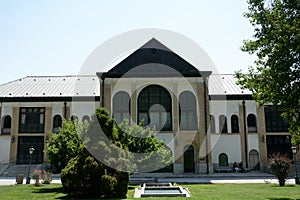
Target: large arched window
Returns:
[[251, 123], [212, 124], [121, 106], [57, 123], [223, 124], [155, 108], [6, 125], [235, 124], [187, 111]]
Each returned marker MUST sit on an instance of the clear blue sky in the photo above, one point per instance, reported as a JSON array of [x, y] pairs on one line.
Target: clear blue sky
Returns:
[[55, 37]]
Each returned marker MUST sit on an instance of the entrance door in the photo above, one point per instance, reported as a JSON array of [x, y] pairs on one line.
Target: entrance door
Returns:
[[24, 143], [254, 160], [189, 163]]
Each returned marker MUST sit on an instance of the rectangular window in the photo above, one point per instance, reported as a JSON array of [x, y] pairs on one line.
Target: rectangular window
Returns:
[[274, 121], [32, 120]]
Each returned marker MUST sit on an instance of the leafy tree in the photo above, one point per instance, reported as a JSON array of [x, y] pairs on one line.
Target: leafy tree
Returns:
[[128, 148], [144, 141], [65, 144], [275, 76], [101, 167]]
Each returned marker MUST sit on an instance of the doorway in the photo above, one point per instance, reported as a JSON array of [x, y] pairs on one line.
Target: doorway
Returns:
[[254, 160], [24, 143], [189, 163]]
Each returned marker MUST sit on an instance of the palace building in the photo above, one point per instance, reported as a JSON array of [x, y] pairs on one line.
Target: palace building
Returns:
[[206, 119]]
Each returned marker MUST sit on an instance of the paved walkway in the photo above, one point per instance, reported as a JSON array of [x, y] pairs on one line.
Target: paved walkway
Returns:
[[12, 181], [214, 178]]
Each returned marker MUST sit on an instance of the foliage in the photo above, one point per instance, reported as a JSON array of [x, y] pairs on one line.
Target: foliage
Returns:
[[46, 177], [129, 148], [100, 164], [280, 165], [276, 43], [108, 184], [82, 175], [64, 145], [145, 142]]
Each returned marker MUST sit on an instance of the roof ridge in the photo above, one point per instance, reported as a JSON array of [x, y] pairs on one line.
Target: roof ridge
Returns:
[[223, 74], [60, 76]]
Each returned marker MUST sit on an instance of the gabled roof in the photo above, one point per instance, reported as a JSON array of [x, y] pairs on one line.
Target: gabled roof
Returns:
[[51, 86], [153, 59]]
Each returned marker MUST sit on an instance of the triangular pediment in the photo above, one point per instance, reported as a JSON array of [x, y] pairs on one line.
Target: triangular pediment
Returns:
[[153, 59]]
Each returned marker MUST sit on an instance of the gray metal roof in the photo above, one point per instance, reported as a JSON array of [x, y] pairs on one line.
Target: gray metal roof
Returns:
[[225, 84], [89, 86], [52, 86]]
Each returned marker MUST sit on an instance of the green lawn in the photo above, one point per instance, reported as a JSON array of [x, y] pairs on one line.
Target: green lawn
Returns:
[[202, 191]]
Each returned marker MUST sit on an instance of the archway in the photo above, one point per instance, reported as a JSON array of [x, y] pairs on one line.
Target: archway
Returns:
[[254, 160]]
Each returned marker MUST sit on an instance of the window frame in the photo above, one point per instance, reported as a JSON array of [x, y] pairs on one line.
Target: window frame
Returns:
[[274, 123], [251, 123], [190, 111], [224, 127], [32, 117], [152, 95], [6, 125], [55, 127], [123, 113], [235, 126]]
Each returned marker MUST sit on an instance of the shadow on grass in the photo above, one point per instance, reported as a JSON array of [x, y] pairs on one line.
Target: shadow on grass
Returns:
[[287, 185], [55, 190], [59, 190], [281, 199], [49, 190]]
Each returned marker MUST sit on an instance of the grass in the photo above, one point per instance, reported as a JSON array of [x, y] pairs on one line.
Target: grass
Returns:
[[198, 191]]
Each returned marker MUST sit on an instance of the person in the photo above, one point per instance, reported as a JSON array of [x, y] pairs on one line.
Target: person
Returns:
[[235, 167], [241, 166]]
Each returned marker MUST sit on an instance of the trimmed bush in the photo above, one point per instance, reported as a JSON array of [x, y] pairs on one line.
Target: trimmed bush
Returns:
[[108, 185], [280, 165], [82, 176], [122, 184]]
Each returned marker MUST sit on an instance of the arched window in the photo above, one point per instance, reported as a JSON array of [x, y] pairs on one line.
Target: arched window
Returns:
[[251, 123], [235, 124], [74, 118], [223, 124], [121, 106], [223, 159], [6, 125], [155, 108], [57, 123], [86, 118], [187, 111], [212, 124]]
